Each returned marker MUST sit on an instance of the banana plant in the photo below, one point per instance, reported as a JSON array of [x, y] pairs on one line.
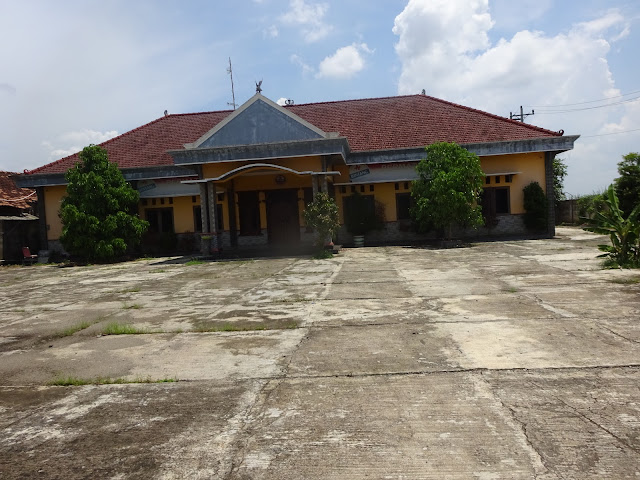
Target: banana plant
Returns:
[[623, 232]]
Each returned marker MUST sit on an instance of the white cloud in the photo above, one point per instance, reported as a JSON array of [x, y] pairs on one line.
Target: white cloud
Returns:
[[309, 17], [72, 142], [271, 32], [306, 69], [444, 48], [282, 101], [345, 63]]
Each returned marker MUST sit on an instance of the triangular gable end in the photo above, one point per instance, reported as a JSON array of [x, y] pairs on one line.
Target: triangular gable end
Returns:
[[257, 121]]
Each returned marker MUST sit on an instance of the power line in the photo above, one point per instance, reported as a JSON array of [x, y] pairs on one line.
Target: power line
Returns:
[[552, 112], [583, 103], [613, 133]]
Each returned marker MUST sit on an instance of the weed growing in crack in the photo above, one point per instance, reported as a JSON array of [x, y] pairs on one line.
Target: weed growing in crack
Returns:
[[115, 328], [67, 332], [132, 306], [130, 290], [195, 261], [626, 281]]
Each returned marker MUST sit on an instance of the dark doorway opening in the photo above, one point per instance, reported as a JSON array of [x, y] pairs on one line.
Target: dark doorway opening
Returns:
[[283, 222]]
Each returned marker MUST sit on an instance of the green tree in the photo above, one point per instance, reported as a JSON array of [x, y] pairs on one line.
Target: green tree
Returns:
[[535, 206], [322, 215], [559, 173], [628, 184], [97, 223], [624, 233], [448, 189]]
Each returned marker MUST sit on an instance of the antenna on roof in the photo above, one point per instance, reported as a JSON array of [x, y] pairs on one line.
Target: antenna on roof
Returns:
[[166, 113], [521, 116], [233, 95], [288, 102], [424, 92]]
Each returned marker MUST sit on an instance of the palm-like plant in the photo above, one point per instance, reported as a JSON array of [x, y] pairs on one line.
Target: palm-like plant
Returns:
[[624, 233]]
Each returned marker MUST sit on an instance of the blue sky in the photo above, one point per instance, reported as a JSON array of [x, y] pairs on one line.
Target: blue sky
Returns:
[[80, 72]]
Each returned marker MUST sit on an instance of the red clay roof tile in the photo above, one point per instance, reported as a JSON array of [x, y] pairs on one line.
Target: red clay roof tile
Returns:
[[369, 124], [12, 196]]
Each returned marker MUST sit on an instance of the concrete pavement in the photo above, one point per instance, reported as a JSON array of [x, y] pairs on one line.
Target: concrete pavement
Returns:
[[515, 359]]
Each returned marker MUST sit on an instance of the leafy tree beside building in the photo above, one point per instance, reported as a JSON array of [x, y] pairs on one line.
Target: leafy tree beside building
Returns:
[[448, 189], [627, 186], [97, 218]]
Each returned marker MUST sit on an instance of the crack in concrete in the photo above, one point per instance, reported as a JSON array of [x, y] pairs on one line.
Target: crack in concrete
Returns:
[[590, 420], [523, 428], [617, 334]]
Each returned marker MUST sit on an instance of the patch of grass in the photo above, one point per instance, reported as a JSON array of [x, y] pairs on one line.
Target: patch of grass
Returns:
[[115, 328], [295, 299], [195, 261], [67, 332], [322, 254], [232, 327], [75, 381], [132, 306], [626, 281], [511, 290], [130, 290]]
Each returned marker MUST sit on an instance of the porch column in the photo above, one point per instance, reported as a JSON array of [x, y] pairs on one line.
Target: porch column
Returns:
[[231, 201], [204, 215], [323, 179], [551, 201], [262, 206], [213, 211], [314, 185]]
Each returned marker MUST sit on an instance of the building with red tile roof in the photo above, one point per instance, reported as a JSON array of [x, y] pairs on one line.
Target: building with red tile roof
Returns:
[[270, 158]]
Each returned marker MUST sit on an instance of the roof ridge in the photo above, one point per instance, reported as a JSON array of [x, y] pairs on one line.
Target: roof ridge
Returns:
[[492, 115], [352, 100]]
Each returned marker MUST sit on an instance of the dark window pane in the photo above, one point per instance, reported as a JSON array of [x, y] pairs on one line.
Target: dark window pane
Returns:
[[502, 200], [219, 219], [197, 219]]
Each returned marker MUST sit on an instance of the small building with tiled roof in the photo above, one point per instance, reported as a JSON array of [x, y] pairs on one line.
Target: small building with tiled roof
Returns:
[[18, 225], [243, 177]]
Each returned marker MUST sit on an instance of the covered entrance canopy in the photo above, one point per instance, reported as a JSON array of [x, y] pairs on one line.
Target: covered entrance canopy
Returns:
[[264, 158]]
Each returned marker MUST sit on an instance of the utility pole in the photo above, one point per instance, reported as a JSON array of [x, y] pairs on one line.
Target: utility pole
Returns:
[[233, 95], [520, 117]]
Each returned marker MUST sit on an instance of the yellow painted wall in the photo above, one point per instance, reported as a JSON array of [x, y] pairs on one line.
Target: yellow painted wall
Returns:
[[183, 219], [530, 164], [384, 193], [52, 201]]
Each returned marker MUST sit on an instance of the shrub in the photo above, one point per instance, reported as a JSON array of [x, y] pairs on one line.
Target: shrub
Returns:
[[624, 233], [535, 206], [588, 205]]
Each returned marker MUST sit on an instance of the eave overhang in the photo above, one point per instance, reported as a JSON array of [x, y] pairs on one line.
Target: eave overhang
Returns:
[[338, 146], [130, 175], [415, 154]]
